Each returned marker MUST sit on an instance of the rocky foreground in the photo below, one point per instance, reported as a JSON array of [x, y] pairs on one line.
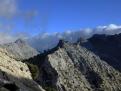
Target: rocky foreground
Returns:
[[67, 67], [15, 75]]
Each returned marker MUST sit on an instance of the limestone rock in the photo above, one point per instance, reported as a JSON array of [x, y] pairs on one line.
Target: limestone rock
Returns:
[[16, 74], [71, 67]]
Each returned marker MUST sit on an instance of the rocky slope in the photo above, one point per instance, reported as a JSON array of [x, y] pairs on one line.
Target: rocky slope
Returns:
[[20, 49], [15, 75], [67, 67], [71, 67], [108, 47]]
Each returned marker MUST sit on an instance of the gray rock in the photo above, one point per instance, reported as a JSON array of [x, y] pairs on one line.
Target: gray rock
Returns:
[[12, 77], [20, 50], [71, 67]]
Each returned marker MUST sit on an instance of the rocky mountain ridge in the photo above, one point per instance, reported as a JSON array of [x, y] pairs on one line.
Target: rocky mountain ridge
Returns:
[[66, 67], [71, 67]]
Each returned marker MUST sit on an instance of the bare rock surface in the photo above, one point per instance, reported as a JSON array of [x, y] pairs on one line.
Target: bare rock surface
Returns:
[[15, 75], [71, 67]]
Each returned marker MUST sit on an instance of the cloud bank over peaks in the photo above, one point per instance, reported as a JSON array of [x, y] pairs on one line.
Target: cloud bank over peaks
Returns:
[[7, 37], [46, 40], [109, 30]]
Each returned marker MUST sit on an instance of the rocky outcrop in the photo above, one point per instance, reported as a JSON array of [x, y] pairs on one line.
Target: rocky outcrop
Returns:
[[20, 49], [71, 67], [15, 75]]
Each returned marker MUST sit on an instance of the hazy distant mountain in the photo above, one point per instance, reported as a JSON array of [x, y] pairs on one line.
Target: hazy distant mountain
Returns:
[[71, 67], [20, 49]]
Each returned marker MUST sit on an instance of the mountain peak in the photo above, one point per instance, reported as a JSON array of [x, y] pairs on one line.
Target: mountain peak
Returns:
[[20, 41], [61, 42], [20, 49]]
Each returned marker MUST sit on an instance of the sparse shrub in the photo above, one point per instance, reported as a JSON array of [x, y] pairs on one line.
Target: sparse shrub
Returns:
[[34, 70]]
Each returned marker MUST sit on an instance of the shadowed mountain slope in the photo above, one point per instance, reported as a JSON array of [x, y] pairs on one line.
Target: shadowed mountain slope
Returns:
[[107, 47]]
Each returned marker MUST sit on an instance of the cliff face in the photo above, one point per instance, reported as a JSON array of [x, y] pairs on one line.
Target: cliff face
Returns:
[[20, 49], [15, 75], [70, 67]]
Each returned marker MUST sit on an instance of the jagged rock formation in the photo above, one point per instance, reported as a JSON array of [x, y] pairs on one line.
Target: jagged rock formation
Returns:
[[71, 67], [20, 49], [15, 75], [108, 47]]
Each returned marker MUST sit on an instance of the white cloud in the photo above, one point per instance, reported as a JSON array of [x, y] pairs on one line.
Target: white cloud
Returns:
[[7, 37], [109, 27], [46, 41], [8, 8]]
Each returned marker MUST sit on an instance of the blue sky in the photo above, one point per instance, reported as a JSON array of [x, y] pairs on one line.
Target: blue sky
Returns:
[[38, 16]]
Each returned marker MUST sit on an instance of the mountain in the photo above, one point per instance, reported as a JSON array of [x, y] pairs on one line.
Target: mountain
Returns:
[[71, 67], [20, 49], [15, 75], [107, 47], [87, 65]]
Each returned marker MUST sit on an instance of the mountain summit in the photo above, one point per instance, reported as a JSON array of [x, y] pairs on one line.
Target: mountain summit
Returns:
[[20, 41], [20, 49]]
